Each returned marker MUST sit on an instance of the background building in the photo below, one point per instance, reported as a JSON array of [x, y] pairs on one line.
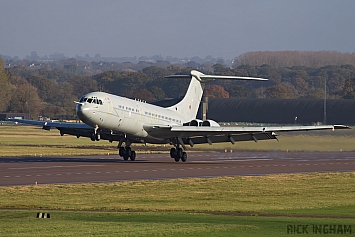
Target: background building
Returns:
[[278, 111]]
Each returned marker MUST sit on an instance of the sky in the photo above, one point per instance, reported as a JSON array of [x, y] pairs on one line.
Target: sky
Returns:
[[178, 28]]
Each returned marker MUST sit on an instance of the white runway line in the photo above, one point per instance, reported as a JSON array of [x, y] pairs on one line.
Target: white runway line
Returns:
[[51, 167]]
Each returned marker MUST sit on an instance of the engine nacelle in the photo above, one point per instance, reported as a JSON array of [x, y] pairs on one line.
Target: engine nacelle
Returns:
[[196, 122], [210, 123], [199, 123]]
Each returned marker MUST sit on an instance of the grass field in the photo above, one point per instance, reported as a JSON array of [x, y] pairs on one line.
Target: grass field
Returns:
[[224, 206], [24, 223], [195, 207]]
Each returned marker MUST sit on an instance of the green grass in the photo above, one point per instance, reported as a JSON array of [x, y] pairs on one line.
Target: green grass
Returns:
[[316, 193], [24, 223], [225, 206]]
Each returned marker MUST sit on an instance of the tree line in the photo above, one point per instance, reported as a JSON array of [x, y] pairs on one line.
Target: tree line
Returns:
[[295, 58], [51, 92]]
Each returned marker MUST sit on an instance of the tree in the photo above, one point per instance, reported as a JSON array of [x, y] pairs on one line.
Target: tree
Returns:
[[215, 91], [25, 98], [349, 88], [314, 93], [72, 68], [279, 91], [142, 94], [44, 86], [301, 86], [64, 99], [157, 92], [82, 85], [5, 87], [238, 91]]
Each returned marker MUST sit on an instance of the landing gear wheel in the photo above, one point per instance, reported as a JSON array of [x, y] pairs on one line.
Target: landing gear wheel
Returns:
[[97, 136], [133, 155], [184, 157], [93, 137], [177, 158], [121, 151], [128, 151], [173, 153], [179, 152]]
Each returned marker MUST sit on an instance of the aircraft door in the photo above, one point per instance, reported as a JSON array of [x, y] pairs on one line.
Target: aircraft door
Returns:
[[140, 112], [113, 118], [109, 105]]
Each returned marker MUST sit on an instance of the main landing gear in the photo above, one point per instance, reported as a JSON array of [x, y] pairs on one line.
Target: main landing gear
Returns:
[[178, 154], [127, 153]]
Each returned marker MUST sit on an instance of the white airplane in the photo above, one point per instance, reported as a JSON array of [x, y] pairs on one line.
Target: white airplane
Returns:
[[128, 121]]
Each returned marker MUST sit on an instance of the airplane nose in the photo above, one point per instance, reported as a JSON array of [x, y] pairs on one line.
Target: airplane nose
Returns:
[[81, 112]]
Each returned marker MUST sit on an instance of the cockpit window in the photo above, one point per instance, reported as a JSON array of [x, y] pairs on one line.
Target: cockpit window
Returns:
[[93, 100]]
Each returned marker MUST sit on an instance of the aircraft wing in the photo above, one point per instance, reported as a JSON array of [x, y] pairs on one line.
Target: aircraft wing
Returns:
[[76, 129], [47, 125], [197, 135]]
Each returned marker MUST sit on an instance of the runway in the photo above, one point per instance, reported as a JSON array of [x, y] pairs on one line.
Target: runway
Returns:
[[92, 169]]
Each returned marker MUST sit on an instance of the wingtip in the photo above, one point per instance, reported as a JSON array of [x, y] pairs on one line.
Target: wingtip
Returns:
[[340, 127]]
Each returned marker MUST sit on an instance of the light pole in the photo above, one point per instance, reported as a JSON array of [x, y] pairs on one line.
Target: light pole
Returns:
[[29, 98], [325, 102]]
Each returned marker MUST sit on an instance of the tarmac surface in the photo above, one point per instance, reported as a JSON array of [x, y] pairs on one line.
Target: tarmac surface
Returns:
[[94, 169]]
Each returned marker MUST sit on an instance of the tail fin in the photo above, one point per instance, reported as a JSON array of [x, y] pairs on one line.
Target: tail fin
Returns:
[[188, 106]]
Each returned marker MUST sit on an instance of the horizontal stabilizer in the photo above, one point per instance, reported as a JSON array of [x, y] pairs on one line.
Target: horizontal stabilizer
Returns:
[[207, 78], [213, 77]]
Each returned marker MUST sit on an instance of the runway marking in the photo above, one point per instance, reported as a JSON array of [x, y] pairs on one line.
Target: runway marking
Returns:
[[159, 170], [236, 158], [51, 167]]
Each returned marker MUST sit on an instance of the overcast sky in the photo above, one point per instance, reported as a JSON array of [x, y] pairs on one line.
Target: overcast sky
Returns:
[[178, 28]]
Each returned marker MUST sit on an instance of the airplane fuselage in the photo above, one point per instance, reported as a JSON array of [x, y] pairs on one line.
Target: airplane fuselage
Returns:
[[122, 115]]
